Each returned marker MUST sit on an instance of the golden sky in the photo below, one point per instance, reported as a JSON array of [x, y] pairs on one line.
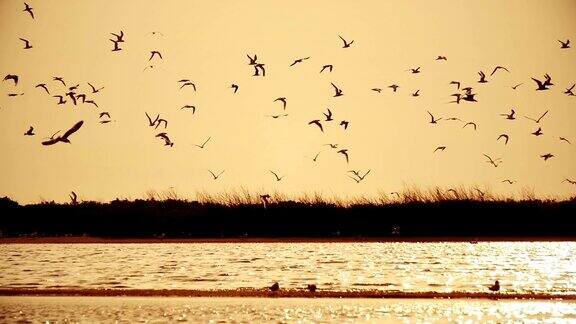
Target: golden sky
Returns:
[[207, 42]]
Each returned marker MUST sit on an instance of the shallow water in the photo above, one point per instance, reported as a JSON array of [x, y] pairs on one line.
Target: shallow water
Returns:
[[250, 310], [521, 267]]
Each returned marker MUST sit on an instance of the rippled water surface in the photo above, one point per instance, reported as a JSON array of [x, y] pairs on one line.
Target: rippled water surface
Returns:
[[539, 267]]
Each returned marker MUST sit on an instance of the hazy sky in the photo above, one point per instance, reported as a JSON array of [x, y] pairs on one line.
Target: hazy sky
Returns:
[[207, 42]]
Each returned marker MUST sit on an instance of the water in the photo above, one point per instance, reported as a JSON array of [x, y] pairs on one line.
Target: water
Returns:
[[521, 267]]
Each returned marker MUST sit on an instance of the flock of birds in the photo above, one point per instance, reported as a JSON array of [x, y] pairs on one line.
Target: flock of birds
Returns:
[[77, 94]]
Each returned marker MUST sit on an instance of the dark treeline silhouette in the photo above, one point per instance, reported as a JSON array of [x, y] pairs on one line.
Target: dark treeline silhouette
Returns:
[[186, 219]]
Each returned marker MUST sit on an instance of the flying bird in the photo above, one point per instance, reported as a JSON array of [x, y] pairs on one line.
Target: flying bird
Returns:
[[116, 47], [432, 119], [29, 10], [64, 137], [261, 67], [81, 96], [152, 53], [72, 96], [457, 83], [516, 86], [119, 38], [26, 43], [317, 123], [565, 140], [482, 77], [276, 175], [376, 90], [499, 68], [300, 60], [252, 59], [189, 107], [154, 33], [12, 77], [569, 90], [216, 176], [43, 86], [346, 44], [160, 121], [394, 87], [494, 162], [94, 90], [458, 98], [30, 132], [327, 66], [470, 123], [60, 79], [104, 113], [150, 122], [416, 70], [282, 100], [441, 148], [509, 181], [537, 120], [538, 132], [338, 91], [188, 83], [332, 145], [277, 116], [505, 137], [441, 58], [541, 85], [547, 156], [167, 141], [509, 116], [328, 115], [416, 94], [235, 87], [344, 123], [565, 44], [345, 153], [569, 181], [206, 141]]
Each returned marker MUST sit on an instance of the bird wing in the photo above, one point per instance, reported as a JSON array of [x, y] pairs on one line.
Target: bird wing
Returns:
[[432, 117], [213, 175], [51, 141], [342, 40], [544, 114], [72, 130], [537, 82], [274, 173]]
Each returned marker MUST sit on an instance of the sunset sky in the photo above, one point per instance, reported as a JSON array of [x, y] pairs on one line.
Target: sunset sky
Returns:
[[207, 42]]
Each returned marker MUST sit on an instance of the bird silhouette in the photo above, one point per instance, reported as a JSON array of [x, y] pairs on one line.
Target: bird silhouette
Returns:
[[505, 137], [26, 43], [376, 90], [441, 58], [458, 98], [470, 123], [72, 95], [455, 83], [30, 132], [509, 116], [81, 96], [541, 85], [345, 153], [327, 66], [328, 115], [150, 122], [12, 77], [300, 60], [416, 70], [261, 67], [338, 91], [538, 132], [346, 44], [547, 156], [29, 9], [282, 100], [216, 176], [73, 198], [432, 119], [516, 86], [315, 158], [332, 145], [276, 175], [495, 286], [189, 107], [441, 148], [188, 83], [509, 181], [565, 44], [572, 182], [59, 79], [235, 87], [119, 37], [277, 116], [499, 68], [252, 59], [394, 87], [167, 141], [117, 47], [548, 81], [203, 144], [311, 287], [344, 123], [61, 100], [416, 94], [317, 123], [153, 53], [569, 90], [357, 176], [537, 121], [564, 139], [43, 86], [94, 90], [64, 137], [104, 113], [482, 77], [469, 97], [275, 287], [160, 121], [92, 102], [494, 162]]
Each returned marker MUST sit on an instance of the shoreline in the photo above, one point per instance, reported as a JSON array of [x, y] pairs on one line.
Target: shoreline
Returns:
[[105, 240]]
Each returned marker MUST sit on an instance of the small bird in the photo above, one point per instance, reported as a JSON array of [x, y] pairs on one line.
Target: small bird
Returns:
[[547, 156], [345, 153], [261, 67], [494, 162], [311, 287], [91, 102], [328, 115], [569, 181], [252, 59], [509, 181], [376, 90], [43, 86], [565, 140], [337, 90], [441, 58], [275, 287], [344, 123], [470, 123], [235, 87], [152, 53], [458, 97], [72, 96], [30, 132], [277, 116], [300, 60], [346, 44], [59, 79], [15, 94], [119, 38], [441, 148], [206, 141], [541, 85], [61, 100], [569, 90], [457, 83], [499, 68], [29, 10], [538, 132], [150, 122], [416, 94], [276, 175], [565, 44], [416, 70], [160, 121], [81, 96], [188, 83], [116, 47], [26, 43], [94, 90], [64, 137], [315, 158], [548, 81], [505, 137], [332, 145], [216, 176], [482, 77], [317, 123], [394, 87], [73, 198], [495, 286], [12, 77], [282, 100], [189, 107], [167, 141], [516, 86], [432, 119], [537, 120], [104, 113], [509, 116], [327, 66]]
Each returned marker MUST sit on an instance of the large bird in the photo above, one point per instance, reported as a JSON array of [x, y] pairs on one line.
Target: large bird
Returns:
[[64, 137]]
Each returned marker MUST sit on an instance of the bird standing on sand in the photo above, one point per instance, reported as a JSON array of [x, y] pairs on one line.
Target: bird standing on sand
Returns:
[[311, 287], [495, 286], [29, 132], [275, 287]]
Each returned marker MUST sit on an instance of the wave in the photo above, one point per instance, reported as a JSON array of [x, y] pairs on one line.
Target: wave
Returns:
[[251, 292]]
